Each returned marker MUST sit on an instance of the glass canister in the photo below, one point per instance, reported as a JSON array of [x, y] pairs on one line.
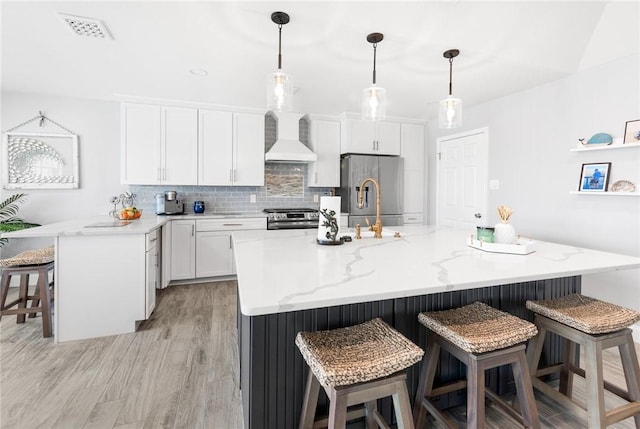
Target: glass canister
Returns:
[[198, 206]]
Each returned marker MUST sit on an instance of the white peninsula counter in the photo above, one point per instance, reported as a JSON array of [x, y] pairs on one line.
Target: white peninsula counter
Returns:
[[288, 283], [105, 273]]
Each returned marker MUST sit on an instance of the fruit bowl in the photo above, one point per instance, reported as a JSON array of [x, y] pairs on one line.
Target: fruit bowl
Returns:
[[129, 213]]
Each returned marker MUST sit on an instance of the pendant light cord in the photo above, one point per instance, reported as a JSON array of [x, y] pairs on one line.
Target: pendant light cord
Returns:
[[279, 46], [374, 62], [450, 74]]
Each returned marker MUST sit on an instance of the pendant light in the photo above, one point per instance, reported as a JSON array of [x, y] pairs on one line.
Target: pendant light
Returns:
[[374, 98], [450, 115], [279, 84]]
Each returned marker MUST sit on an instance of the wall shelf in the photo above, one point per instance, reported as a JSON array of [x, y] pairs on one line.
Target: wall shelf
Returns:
[[604, 147], [607, 194]]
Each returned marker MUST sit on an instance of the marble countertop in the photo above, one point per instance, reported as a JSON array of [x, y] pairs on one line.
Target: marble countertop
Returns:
[[280, 271], [106, 225]]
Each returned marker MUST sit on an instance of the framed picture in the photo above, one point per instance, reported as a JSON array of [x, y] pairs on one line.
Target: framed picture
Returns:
[[632, 131], [594, 177], [39, 161]]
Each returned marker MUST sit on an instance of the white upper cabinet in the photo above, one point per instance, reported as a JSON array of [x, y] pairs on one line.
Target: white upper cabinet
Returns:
[[412, 151], [324, 139], [215, 147], [158, 145], [370, 137], [248, 145], [230, 148]]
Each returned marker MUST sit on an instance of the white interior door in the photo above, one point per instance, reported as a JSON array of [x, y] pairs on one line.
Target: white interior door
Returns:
[[462, 179]]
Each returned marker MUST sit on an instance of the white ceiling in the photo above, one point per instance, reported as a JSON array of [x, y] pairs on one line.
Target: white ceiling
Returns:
[[506, 46]]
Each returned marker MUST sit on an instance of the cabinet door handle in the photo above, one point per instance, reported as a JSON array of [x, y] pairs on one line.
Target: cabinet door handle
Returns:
[[232, 224], [193, 230], [230, 243], [374, 145], [235, 175]]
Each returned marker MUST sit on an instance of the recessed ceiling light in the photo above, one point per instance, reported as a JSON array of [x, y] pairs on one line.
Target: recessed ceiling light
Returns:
[[81, 26], [199, 72]]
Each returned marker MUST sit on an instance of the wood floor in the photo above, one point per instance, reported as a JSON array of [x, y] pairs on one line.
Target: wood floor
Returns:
[[179, 370]]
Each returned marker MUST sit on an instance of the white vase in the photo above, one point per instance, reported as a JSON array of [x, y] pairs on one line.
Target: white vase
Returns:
[[505, 233]]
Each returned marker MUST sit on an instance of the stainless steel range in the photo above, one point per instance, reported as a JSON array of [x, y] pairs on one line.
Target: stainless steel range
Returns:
[[292, 218]]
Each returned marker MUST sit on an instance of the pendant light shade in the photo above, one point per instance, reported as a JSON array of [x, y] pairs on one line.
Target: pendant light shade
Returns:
[[450, 111], [374, 98], [279, 83]]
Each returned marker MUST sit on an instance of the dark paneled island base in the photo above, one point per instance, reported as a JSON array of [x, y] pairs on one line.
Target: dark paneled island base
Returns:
[[273, 372]]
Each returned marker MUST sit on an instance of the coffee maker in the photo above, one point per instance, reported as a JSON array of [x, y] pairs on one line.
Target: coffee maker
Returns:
[[169, 204]]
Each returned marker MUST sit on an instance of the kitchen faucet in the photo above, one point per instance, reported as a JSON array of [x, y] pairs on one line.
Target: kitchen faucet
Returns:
[[377, 227]]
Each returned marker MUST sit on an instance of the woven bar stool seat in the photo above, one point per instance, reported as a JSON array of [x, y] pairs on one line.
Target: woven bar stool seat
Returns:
[[595, 325], [39, 262], [482, 338], [357, 365]]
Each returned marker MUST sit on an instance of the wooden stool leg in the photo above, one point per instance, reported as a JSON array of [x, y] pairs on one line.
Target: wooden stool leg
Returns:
[[23, 293], [425, 382], [45, 303], [402, 406], [534, 349], [631, 368], [371, 407], [4, 290], [594, 384], [566, 374], [524, 390], [337, 410], [475, 394], [310, 401]]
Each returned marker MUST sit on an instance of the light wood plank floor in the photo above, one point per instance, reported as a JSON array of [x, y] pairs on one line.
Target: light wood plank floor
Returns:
[[179, 370]]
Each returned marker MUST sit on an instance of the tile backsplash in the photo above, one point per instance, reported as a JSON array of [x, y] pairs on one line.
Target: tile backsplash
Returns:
[[284, 187]]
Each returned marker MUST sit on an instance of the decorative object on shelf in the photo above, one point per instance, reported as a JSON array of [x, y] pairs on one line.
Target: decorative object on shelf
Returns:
[[632, 131], [279, 83], [374, 98], [329, 226], [485, 234], [504, 232], [594, 177], [450, 115], [622, 186], [599, 138]]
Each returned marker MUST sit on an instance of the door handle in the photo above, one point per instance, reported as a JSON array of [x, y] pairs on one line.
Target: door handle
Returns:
[[477, 215]]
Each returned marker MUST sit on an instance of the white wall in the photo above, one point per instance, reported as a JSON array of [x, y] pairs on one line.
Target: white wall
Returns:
[[530, 134], [97, 123]]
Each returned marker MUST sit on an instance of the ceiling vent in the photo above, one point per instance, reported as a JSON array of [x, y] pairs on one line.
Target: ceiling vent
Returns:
[[81, 26]]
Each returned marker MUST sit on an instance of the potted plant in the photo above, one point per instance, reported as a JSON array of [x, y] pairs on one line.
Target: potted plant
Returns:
[[8, 220]]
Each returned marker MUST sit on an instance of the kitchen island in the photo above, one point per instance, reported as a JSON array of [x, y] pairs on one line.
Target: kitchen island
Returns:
[[288, 283], [105, 273]]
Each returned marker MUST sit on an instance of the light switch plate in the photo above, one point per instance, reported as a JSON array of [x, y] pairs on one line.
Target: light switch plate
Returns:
[[252, 198], [315, 198], [494, 184]]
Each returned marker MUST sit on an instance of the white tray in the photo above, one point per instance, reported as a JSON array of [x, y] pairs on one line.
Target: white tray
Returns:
[[522, 247]]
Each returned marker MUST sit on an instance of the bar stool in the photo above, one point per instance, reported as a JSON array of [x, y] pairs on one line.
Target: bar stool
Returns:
[[595, 325], [482, 338], [357, 365], [40, 262]]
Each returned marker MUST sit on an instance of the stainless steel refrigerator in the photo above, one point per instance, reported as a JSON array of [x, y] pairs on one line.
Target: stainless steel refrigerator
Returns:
[[389, 172]]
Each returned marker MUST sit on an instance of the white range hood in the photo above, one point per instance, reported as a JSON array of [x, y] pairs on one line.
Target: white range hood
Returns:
[[288, 147]]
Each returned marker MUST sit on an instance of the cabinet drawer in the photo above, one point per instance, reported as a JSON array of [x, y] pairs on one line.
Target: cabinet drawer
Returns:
[[413, 218], [152, 239], [230, 224]]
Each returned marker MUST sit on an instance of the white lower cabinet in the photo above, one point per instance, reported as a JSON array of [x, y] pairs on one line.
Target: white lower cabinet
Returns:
[[153, 268], [214, 254], [203, 248], [183, 249]]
